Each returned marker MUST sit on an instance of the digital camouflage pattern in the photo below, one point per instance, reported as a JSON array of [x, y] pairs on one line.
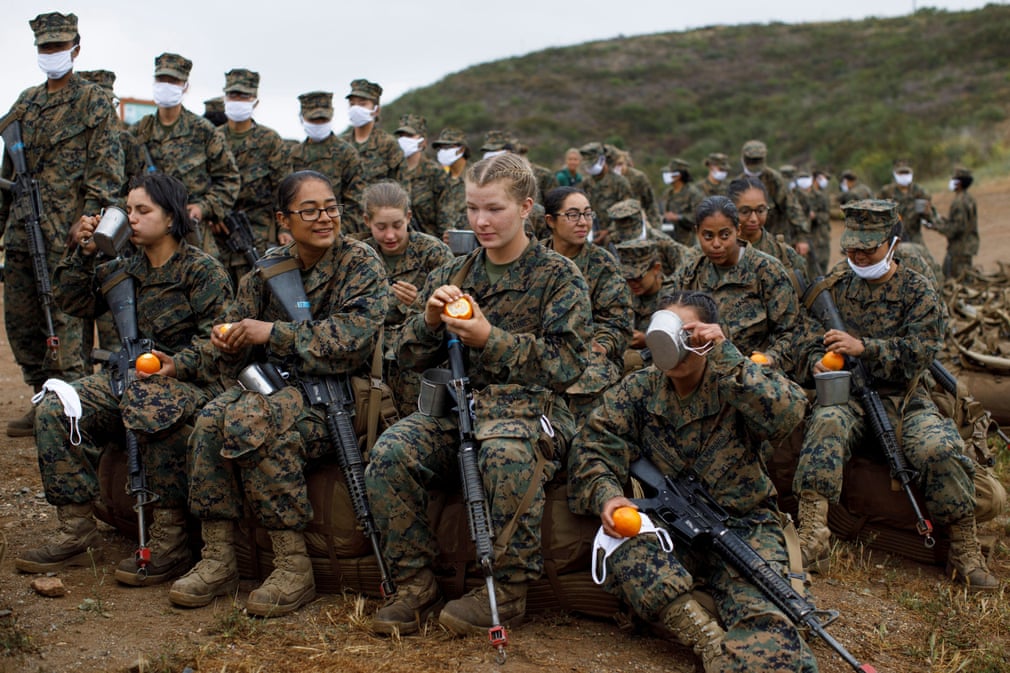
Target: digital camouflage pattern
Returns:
[[791, 260], [381, 156], [902, 325], [426, 183], [176, 305], [546, 180], [133, 159], [723, 433], [539, 313], [424, 253], [338, 161], [642, 190], [820, 229], [758, 306], [452, 205], [604, 191], [683, 203], [53, 27], [961, 229], [73, 151], [905, 197], [252, 448], [173, 65]]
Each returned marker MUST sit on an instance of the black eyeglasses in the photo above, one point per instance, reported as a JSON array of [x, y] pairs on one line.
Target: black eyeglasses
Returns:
[[573, 216], [745, 211], [312, 214]]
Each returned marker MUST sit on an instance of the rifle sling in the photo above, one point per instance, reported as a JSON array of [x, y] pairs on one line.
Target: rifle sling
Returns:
[[375, 392], [289, 264], [797, 575]]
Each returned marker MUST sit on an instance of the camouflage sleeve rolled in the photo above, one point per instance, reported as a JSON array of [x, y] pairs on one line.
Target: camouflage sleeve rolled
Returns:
[[225, 181]]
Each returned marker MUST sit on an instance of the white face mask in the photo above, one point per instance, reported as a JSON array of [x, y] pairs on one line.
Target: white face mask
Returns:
[[718, 175], [168, 95], [494, 153], [619, 169], [874, 271], [410, 146], [447, 156], [903, 179], [56, 65], [239, 110], [822, 182], [668, 177], [804, 183], [953, 184], [317, 132], [844, 186], [597, 168], [360, 115]]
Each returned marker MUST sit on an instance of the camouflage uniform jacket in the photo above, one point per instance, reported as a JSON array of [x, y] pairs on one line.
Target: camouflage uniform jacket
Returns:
[[381, 156], [858, 192], [338, 161], [176, 303], [642, 190], [718, 432], [546, 180], [961, 225], [452, 205], [423, 254], [792, 260], [263, 161], [757, 303], [426, 183], [644, 305], [785, 215], [684, 203], [708, 188], [604, 191], [134, 162], [73, 152], [911, 221], [193, 150]]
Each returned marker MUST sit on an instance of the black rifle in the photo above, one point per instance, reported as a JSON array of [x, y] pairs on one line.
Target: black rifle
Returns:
[[240, 238], [334, 394], [27, 209], [823, 308], [120, 296], [696, 520], [948, 382], [473, 487]]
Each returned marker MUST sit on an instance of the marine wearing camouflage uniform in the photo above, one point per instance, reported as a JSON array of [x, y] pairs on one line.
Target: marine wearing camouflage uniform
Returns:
[[851, 189], [709, 186], [334, 158], [791, 260], [680, 200], [785, 216], [905, 197], [626, 225], [644, 417], [637, 259], [426, 183], [133, 158], [73, 151], [961, 229], [820, 226], [452, 205], [642, 190], [607, 188], [381, 156]]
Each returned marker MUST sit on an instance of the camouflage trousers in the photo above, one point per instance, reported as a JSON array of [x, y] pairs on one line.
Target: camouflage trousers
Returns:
[[931, 445], [157, 410], [250, 448], [759, 636], [25, 321], [954, 265], [405, 384], [419, 453]]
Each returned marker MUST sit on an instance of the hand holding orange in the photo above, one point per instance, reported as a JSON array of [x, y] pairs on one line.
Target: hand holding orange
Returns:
[[759, 358], [148, 363], [833, 361], [460, 308], [627, 521]]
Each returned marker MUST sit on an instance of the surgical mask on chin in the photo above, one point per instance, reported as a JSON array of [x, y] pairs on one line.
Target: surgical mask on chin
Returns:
[[449, 155], [317, 132], [168, 95], [719, 176], [874, 271], [359, 115], [239, 110], [56, 65], [953, 184], [822, 182], [410, 146], [903, 179], [597, 168], [804, 183]]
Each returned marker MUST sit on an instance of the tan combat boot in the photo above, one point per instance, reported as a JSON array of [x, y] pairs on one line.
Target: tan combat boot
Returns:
[[697, 628], [217, 572], [170, 554], [815, 537], [77, 533], [965, 563], [291, 585], [472, 613], [414, 601]]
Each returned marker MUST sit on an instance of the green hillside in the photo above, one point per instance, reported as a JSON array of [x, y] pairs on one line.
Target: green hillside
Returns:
[[933, 86]]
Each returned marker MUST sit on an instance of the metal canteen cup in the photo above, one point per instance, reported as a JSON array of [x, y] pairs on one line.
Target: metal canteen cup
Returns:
[[461, 241], [832, 387], [113, 231], [434, 398], [666, 339], [261, 377]]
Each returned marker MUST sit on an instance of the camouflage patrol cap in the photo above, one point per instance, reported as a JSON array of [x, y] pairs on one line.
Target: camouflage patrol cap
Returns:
[[450, 137], [612, 152], [787, 170], [677, 164], [215, 104], [54, 27], [591, 150], [625, 209], [849, 174], [902, 165], [316, 105], [803, 173], [754, 149], [103, 78], [868, 223], [961, 172], [240, 80], [496, 140], [413, 125], [637, 257], [362, 88], [173, 65], [717, 159]]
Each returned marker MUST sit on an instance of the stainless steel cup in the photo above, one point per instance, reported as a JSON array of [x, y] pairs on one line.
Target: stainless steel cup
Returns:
[[262, 378], [832, 387], [461, 241], [112, 232], [433, 398], [920, 205]]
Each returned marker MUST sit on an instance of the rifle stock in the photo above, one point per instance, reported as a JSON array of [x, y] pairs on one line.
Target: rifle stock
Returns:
[[240, 238]]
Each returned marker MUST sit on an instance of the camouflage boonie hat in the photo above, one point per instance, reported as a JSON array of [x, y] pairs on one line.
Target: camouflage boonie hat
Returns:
[[496, 140], [413, 125], [316, 105], [787, 170], [677, 165], [901, 165], [717, 159], [637, 258], [242, 81], [868, 223], [625, 209], [54, 27], [362, 88], [173, 65], [103, 78], [215, 104], [961, 172], [449, 137], [754, 149]]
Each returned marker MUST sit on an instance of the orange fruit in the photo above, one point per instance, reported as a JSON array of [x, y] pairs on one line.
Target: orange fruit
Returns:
[[759, 358], [627, 521], [833, 361], [224, 328], [148, 363], [460, 308]]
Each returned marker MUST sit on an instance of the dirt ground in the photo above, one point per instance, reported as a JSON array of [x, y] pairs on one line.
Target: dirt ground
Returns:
[[897, 615]]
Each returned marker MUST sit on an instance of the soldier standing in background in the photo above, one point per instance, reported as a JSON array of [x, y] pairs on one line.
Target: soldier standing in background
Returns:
[[714, 183], [424, 179], [960, 226], [603, 186], [213, 111], [851, 188], [820, 226], [453, 153], [327, 153], [381, 157], [262, 161], [133, 158], [914, 207], [641, 187], [803, 192], [72, 148], [678, 201], [189, 147]]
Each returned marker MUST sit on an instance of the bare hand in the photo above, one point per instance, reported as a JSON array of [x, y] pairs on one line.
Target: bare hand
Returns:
[[83, 232], [803, 248], [284, 237], [837, 341], [405, 292], [195, 212], [230, 337], [703, 334], [607, 515], [473, 332], [167, 366]]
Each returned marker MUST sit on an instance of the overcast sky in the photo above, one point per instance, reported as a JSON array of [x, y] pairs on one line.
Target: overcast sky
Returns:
[[401, 44]]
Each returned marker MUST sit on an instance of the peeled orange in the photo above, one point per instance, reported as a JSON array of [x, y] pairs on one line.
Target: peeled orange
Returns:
[[833, 361], [460, 308], [224, 328], [148, 363], [627, 521], [759, 358]]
